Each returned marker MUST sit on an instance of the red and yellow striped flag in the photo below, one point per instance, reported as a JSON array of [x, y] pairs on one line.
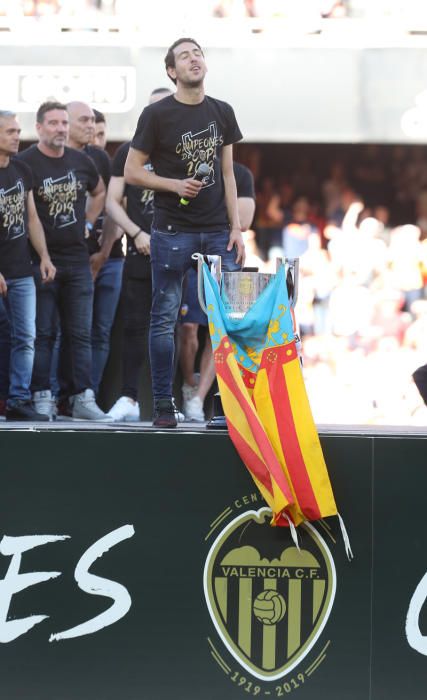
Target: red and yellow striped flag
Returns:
[[266, 405]]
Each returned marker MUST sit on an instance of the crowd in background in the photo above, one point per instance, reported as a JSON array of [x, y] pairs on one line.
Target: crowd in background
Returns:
[[234, 9], [359, 228], [215, 8]]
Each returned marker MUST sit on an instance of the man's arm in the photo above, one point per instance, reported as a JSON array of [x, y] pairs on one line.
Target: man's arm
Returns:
[[3, 286], [95, 202], [136, 174], [110, 233], [236, 238], [38, 240], [115, 209], [94, 206], [246, 207]]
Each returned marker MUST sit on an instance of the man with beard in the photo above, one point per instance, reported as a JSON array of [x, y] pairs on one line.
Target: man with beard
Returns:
[[63, 178], [178, 135]]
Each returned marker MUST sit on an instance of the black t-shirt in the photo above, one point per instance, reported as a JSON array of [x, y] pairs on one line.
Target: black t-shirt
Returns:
[[102, 161], [179, 137], [103, 165], [15, 183], [244, 181], [139, 208], [60, 186]]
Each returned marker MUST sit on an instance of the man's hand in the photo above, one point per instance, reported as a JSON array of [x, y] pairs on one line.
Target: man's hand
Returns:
[[96, 262], [47, 269], [236, 240], [189, 188], [3, 286], [142, 243]]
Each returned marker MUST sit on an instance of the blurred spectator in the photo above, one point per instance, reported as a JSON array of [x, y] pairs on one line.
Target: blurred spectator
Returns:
[[269, 216], [297, 231], [304, 180], [333, 189], [405, 254], [369, 176], [318, 278]]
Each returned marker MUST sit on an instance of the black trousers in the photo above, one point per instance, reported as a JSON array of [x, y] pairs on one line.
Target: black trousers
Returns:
[[136, 297]]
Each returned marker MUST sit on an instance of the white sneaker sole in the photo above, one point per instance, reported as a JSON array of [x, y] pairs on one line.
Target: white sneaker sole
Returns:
[[92, 420], [126, 419]]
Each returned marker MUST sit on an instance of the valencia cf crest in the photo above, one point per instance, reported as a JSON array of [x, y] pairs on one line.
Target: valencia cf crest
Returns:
[[268, 600]]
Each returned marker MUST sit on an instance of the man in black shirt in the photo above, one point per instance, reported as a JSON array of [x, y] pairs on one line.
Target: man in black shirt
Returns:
[[99, 137], [178, 134], [131, 207], [4, 357], [106, 258], [18, 220], [62, 178]]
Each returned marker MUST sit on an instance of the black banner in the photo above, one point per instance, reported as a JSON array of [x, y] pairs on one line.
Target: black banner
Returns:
[[142, 566]]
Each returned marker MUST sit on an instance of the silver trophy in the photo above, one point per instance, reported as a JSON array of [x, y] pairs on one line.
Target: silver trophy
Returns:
[[240, 290]]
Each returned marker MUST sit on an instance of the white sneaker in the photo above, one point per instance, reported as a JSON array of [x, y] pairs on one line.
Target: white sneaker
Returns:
[[188, 392], [86, 408], [178, 415], [124, 410], [44, 403], [193, 410]]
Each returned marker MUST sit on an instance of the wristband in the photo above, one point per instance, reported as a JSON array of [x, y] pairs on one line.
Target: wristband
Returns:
[[89, 226], [136, 234]]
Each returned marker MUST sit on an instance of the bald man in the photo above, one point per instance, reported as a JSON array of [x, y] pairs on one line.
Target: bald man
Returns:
[[105, 249]]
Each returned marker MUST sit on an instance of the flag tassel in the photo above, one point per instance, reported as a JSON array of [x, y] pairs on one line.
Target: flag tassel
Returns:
[[293, 530], [346, 538]]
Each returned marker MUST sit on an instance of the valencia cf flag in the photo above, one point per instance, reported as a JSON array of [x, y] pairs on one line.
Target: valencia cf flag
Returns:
[[266, 404]]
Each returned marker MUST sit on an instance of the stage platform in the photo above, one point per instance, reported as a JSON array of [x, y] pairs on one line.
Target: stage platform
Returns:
[[138, 564], [143, 426]]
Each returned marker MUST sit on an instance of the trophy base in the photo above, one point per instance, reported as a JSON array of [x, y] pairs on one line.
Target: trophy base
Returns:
[[217, 422]]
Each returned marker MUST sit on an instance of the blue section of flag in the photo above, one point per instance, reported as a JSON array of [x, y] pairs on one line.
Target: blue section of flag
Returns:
[[268, 322]]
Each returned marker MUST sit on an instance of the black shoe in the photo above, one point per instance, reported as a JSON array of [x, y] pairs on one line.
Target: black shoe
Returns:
[[23, 410], [164, 414]]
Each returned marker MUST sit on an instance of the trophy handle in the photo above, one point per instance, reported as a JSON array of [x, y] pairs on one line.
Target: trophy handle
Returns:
[[292, 273], [214, 264]]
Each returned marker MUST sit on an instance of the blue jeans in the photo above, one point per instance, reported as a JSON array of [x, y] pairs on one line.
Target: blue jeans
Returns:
[[170, 259], [4, 351], [20, 305], [69, 299], [106, 298]]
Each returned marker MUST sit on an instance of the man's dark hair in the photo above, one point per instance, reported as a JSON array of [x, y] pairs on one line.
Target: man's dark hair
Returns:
[[158, 91], [48, 107], [170, 56], [99, 117]]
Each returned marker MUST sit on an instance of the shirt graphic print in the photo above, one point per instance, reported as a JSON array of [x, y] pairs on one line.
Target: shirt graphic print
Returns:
[[12, 208], [198, 148], [61, 195]]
